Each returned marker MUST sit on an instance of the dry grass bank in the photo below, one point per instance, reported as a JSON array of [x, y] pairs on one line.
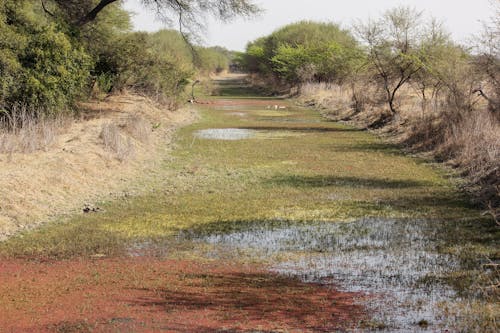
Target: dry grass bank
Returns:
[[48, 171], [467, 140]]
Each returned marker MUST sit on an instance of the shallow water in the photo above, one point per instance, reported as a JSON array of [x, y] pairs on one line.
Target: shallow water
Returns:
[[395, 262], [225, 134], [235, 134]]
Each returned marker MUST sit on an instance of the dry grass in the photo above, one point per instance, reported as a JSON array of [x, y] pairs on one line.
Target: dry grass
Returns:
[[27, 131], [345, 102], [121, 138], [138, 128], [467, 140], [84, 163], [114, 140], [333, 97], [474, 145]]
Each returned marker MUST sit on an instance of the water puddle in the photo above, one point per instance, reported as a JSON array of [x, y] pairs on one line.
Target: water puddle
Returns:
[[234, 134], [395, 262], [238, 114], [225, 134], [273, 113]]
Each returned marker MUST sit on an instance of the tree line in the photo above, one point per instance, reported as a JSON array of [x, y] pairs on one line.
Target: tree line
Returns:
[[54, 53], [399, 49], [401, 73]]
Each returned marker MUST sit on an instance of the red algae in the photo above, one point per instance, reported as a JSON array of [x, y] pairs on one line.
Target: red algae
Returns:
[[150, 295]]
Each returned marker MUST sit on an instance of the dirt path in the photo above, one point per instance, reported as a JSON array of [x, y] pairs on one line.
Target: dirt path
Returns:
[[267, 218]]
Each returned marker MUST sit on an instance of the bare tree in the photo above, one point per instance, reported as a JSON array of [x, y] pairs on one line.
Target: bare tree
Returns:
[[393, 44], [435, 49], [488, 59]]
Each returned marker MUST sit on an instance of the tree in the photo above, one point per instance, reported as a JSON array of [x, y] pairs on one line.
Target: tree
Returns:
[[488, 60], [393, 49], [40, 66], [436, 53]]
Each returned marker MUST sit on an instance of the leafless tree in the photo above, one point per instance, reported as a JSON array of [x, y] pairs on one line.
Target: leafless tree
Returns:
[[392, 44], [488, 59]]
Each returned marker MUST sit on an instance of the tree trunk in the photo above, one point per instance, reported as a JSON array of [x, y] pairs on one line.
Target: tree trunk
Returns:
[[93, 13]]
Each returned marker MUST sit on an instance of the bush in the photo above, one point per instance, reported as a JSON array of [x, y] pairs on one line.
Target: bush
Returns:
[[41, 65], [213, 59], [48, 64], [304, 52], [55, 72]]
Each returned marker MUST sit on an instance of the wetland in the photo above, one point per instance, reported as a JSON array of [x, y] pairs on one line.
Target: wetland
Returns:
[[264, 219]]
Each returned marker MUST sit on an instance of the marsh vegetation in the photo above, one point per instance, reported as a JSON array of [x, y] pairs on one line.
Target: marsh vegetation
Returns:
[[333, 207], [264, 214]]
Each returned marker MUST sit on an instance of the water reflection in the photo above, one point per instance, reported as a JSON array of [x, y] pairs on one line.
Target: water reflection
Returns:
[[395, 261], [225, 134]]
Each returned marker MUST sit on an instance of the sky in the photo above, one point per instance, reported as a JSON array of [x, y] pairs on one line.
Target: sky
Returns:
[[462, 18]]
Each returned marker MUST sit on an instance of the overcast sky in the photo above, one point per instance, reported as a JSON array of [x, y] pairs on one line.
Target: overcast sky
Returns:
[[462, 17]]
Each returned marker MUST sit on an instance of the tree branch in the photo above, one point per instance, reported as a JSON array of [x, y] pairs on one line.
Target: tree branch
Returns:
[[194, 53], [45, 9], [93, 13]]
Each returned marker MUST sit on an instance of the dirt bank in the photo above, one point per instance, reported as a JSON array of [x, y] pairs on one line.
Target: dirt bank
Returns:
[[82, 167]]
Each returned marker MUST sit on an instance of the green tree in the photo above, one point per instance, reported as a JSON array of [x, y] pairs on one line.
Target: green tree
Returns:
[[41, 66], [304, 51]]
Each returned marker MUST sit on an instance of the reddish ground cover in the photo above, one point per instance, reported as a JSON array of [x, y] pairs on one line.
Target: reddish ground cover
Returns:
[[155, 295]]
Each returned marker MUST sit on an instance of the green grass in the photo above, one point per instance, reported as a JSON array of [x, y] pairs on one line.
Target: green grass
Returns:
[[308, 169]]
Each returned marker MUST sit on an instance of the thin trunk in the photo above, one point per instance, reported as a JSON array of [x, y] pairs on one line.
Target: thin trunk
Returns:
[[424, 102]]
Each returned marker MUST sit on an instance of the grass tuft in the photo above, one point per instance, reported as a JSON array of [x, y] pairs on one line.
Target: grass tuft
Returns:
[[25, 130], [115, 141]]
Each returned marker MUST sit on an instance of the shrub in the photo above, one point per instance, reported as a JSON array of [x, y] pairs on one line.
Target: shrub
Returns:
[[304, 51], [40, 65]]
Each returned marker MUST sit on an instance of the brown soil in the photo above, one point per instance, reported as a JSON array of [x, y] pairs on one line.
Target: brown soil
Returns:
[[153, 295]]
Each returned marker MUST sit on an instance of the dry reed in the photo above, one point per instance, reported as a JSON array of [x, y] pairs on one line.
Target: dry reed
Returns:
[[467, 140], [24, 130], [115, 141]]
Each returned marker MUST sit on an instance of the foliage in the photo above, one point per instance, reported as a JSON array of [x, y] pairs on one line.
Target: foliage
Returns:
[[149, 70], [40, 65], [55, 71], [214, 59], [190, 15], [304, 51], [48, 62]]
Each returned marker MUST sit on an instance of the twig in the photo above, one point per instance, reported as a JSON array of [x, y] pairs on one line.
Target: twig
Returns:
[[45, 9]]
